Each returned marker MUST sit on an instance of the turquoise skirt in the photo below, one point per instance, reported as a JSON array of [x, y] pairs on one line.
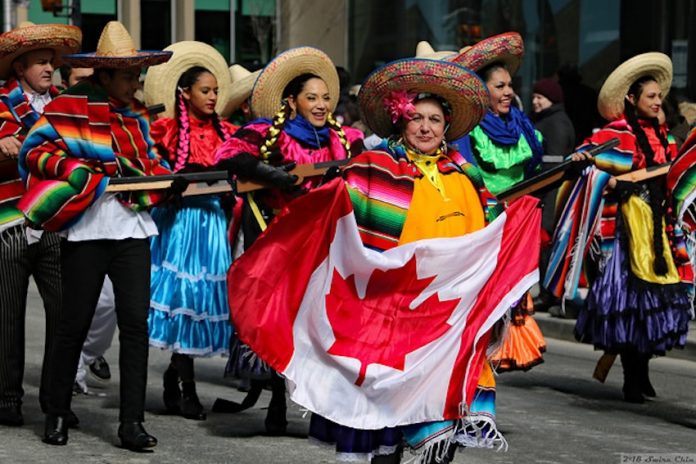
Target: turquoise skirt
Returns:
[[189, 313]]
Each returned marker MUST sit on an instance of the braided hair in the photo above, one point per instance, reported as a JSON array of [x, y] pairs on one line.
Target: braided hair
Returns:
[[181, 115], [269, 149], [655, 190]]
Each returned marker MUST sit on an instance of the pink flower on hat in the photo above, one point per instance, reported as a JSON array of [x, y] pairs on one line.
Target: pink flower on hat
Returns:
[[399, 103]]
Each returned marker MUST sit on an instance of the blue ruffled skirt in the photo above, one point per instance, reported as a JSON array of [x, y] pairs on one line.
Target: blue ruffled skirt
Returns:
[[626, 313], [189, 313]]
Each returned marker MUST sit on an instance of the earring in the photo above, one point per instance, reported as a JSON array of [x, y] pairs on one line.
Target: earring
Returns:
[[443, 146]]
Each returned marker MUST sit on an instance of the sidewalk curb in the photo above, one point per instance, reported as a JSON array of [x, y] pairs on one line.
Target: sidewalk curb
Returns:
[[562, 329]]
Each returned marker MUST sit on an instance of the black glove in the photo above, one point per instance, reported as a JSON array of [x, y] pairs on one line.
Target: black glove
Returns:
[[176, 190], [193, 167], [242, 165], [625, 189], [275, 176], [577, 167], [331, 173]]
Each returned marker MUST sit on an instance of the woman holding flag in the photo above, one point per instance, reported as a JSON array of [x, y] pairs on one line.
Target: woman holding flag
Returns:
[[638, 305], [292, 102]]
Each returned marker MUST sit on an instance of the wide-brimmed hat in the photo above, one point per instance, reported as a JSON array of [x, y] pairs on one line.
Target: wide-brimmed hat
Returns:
[[610, 102], [425, 50], [461, 88], [242, 84], [161, 80], [507, 48], [115, 49], [27, 37], [266, 96]]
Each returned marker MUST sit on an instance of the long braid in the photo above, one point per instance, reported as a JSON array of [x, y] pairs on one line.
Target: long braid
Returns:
[[219, 128], [335, 125], [660, 135], [268, 148], [184, 135], [655, 190]]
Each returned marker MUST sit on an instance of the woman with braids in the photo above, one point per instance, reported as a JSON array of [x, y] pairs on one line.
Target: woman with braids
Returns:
[[637, 305], [188, 312], [299, 90]]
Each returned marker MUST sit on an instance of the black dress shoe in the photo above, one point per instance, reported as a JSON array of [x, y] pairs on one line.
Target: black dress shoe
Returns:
[[134, 437], [12, 416], [56, 432]]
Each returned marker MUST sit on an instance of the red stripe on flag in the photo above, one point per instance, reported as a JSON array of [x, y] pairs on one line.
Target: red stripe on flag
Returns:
[[518, 257], [265, 299]]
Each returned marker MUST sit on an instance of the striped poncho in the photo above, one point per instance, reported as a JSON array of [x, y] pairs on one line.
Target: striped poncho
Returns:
[[380, 184], [80, 142], [583, 211], [16, 118]]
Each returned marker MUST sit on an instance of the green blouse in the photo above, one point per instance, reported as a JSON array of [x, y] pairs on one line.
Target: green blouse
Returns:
[[501, 166]]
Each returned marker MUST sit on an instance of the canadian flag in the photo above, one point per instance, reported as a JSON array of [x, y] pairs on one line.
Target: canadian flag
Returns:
[[372, 340]]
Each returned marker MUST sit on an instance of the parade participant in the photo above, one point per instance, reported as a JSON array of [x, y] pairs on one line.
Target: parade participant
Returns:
[[637, 306], [28, 55], [89, 134], [71, 76], [292, 99], [418, 105], [189, 314], [505, 146], [349, 325], [507, 150]]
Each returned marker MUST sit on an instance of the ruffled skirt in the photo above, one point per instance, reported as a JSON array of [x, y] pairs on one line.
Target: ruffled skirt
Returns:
[[189, 313], [626, 313], [523, 344]]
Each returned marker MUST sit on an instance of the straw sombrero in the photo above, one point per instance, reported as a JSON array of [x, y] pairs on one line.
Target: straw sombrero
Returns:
[[507, 48], [161, 80], [425, 50], [460, 87], [242, 84], [115, 49], [28, 37], [268, 89], [610, 102]]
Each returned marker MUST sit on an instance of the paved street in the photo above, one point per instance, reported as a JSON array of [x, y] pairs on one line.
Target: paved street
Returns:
[[556, 413]]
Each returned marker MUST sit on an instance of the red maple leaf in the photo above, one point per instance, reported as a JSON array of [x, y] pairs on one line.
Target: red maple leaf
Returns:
[[381, 328]]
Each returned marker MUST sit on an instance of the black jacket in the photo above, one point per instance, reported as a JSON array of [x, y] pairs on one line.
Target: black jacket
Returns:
[[557, 129]]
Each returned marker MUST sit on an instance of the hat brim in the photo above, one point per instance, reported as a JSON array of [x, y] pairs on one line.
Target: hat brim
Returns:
[[161, 80], [610, 102], [60, 38], [266, 96], [507, 48], [241, 91], [141, 59], [460, 87]]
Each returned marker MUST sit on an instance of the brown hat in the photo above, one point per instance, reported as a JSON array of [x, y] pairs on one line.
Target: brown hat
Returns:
[[28, 37], [550, 89]]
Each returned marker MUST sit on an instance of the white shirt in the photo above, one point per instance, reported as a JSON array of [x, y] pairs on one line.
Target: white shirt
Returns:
[[38, 101], [108, 219]]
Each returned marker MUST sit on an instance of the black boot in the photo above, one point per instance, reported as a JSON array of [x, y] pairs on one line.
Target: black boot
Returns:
[[171, 394], [632, 389], [56, 430], [134, 437], [646, 387], [394, 458], [276, 419], [191, 407]]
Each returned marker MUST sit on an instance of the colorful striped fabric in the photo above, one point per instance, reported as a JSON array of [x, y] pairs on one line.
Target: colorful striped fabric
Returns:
[[681, 181], [582, 211], [380, 184], [16, 118], [81, 141]]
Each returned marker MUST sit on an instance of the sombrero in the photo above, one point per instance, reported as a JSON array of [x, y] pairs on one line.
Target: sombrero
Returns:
[[425, 50], [242, 83], [28, 37], [507, 48], [268, 89], [460, 87], [115, 49], [610, 102], [161, 80]]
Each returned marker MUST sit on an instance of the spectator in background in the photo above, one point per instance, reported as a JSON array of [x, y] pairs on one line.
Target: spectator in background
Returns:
[[550, 118], [676, 122], [344, 82]]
